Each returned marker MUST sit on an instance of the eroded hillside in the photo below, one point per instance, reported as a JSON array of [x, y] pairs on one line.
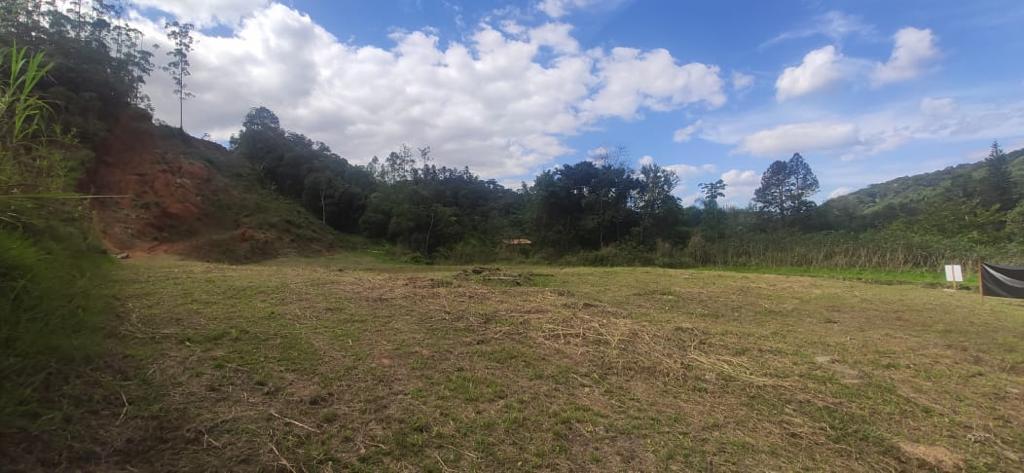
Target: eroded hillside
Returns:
[[181, 195]]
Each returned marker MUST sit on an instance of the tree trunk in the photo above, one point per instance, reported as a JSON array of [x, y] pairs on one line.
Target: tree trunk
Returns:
[[181, 99], [429, 229], [323, 208]]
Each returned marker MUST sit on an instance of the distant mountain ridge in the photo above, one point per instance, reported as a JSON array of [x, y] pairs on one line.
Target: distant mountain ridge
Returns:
[[883, 202]]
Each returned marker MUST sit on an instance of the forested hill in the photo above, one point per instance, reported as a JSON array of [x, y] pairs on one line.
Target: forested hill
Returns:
[[956, 188]]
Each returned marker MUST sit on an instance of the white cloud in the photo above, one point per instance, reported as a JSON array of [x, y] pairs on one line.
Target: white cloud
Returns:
[[740, 185], [853, 136], [834, 25], [206, 12], [741, 81], [800, 138], [501, 103], [684, 134], [632, 79], [683, 170], [556, 36], [840, 191], [560, 8], [686, 171], [938, 106], [819, 69], [913, 52]]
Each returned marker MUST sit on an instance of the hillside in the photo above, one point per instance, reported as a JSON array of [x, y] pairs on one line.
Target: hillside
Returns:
[[895, 198], [190, 197]]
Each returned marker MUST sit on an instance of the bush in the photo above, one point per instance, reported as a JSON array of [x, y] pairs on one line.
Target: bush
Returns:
[[888, 249], [54, 284]]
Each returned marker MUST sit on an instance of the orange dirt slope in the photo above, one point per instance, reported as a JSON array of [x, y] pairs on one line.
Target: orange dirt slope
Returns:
[[190, 197]]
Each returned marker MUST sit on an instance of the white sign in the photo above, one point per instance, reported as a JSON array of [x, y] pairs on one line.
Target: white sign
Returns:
[[954, 273]]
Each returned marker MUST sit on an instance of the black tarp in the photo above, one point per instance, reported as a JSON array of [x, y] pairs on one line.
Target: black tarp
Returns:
[[1002, 281]]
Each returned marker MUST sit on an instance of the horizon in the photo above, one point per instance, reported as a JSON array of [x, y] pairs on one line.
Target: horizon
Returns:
[[865, 91]]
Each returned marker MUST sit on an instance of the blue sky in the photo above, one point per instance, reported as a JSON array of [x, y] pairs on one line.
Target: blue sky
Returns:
[[866, 90]]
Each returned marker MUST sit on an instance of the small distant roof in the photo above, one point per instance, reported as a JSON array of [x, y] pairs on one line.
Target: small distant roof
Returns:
[[517, 241]]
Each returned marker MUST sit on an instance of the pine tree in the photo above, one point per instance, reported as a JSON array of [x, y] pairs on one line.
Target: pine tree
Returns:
[[998, 185]]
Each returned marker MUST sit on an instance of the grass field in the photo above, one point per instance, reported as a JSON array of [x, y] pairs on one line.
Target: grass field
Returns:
[[349, 363]]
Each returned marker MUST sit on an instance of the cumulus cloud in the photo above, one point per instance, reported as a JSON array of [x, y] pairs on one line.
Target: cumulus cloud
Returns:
[[741, 81], [683, 170], [500, 102], [631, 79], [686, 171], [684, 134], [820, 68], [740, 185], [800, 137], [934, 120], [914, 51], [206, 12]]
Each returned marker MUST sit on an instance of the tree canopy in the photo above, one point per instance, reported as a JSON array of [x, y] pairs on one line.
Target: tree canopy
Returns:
[[786, 189]]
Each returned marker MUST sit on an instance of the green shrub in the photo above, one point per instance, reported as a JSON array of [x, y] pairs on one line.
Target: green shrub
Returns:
[[53, 296]]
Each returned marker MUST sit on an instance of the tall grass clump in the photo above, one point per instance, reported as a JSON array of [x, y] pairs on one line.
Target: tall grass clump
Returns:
[[53, 275], [881, 250]]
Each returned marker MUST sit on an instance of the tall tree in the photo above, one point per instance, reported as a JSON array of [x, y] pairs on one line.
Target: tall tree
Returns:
[[659, 210], [712, 220], [803, 185], [712, 192], [179, 66], [998, 184], [786, 188]]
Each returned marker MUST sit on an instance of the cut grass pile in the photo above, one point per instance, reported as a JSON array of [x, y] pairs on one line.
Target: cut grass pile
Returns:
[[351, 364]]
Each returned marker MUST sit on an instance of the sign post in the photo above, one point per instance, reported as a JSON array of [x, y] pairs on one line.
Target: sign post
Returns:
[[955, 275]]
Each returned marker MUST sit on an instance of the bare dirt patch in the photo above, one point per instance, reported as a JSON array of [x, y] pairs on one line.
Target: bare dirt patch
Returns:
[[184, 196], [843, 372]]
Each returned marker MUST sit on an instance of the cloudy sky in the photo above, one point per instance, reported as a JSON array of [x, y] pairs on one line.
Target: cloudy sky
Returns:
[[866, 90]]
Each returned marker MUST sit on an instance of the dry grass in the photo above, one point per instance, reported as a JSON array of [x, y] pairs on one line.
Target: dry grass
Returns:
[[348, 364]]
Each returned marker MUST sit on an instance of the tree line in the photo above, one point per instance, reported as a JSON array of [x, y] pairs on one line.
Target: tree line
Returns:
[[585, 206], [601, 204]]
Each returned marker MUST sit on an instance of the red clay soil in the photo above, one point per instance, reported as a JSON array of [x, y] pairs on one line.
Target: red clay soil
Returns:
[[164, 192], [174, 201]]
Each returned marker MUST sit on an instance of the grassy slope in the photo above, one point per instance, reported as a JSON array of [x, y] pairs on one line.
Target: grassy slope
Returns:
[[348, 363], [910, 189]]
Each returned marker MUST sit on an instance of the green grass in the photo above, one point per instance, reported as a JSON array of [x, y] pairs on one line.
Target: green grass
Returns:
[[54, 297], [935, 278], [358, 363]]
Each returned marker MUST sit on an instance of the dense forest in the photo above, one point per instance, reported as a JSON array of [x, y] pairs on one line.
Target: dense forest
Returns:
[[602, 211]]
